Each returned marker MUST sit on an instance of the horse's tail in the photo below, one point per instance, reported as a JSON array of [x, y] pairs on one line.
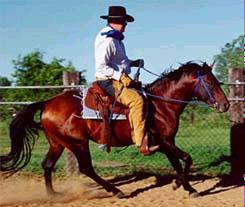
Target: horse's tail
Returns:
[[23, 134]]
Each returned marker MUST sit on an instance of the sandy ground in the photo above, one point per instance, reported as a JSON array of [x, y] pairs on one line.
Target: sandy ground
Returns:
[[141, 190]]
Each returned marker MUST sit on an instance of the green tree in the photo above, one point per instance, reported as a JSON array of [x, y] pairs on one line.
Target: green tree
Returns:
[[4, 81], [231, 56], [32, 70]]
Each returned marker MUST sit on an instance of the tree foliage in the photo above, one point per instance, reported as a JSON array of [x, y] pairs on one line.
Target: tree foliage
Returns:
[[231, 56], [32, 70], [4, 81]]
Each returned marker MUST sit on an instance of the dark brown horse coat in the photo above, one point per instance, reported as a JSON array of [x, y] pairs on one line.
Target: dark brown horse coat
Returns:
[[169, 95]]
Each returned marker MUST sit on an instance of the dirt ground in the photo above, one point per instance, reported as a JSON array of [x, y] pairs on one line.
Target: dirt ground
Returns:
[[141, 190]]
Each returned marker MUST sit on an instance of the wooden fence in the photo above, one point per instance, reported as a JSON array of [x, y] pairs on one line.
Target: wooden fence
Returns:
[[71, 78], [237, 133]]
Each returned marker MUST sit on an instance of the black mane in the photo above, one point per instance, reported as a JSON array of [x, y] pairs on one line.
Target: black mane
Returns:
[[176, 74]]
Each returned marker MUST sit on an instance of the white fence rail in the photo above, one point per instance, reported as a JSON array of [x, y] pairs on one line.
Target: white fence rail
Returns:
[[34, 87], [81, 87], [42, 87]]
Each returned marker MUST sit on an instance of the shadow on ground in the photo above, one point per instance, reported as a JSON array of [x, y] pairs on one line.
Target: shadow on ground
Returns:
[[225, 183]]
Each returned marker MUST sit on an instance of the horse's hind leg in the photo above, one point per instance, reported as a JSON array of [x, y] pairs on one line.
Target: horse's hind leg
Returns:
[[48, 164], [85, 165]]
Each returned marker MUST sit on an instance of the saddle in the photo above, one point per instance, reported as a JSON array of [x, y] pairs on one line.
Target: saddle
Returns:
[[98, 99]]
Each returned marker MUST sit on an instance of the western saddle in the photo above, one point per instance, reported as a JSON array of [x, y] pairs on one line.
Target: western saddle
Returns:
[[98, 99]]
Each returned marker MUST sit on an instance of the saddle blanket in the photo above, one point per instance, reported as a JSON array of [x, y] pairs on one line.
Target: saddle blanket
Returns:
[[88, 113]]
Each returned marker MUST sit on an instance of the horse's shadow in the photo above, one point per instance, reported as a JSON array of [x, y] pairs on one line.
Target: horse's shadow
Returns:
[[224, 183], [138, 176]]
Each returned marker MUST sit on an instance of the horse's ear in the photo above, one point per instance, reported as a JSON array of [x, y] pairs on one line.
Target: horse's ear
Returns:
[[212, 65], [207, 67]]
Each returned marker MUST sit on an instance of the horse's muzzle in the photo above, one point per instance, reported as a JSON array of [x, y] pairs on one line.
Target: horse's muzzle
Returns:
[[221, 107]]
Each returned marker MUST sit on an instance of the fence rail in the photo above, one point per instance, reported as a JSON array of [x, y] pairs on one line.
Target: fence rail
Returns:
[[42, 87], [82, 87], [16, 102], [29, 102]]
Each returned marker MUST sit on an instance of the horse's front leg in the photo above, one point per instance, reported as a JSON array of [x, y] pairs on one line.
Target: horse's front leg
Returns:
[[174, 154], [178, 168]]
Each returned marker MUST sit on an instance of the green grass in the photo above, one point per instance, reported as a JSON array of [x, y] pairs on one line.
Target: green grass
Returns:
[[206, 140], [38, 153]]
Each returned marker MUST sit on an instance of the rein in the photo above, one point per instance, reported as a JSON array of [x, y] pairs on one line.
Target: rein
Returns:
[[148, 71], [200, 82], [137, 74], [163, 98]]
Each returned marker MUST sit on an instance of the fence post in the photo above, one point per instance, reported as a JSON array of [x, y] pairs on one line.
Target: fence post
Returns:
[[237, 133], [71, 78]]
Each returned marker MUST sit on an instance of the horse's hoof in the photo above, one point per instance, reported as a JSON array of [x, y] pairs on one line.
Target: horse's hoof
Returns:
[[120, 195], [175, 185], [194, 195]]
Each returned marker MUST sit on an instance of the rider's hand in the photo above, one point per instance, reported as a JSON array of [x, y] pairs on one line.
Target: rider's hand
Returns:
[[137, 63], [125, 80], [137, 85]]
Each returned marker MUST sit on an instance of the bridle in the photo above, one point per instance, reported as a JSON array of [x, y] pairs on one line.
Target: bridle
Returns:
[[202, 82]]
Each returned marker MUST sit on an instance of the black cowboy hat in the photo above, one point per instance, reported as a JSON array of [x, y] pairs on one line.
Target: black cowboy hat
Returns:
[[117, 12]]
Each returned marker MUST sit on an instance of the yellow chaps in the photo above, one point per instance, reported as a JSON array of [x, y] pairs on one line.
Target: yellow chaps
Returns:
[[130, 98]]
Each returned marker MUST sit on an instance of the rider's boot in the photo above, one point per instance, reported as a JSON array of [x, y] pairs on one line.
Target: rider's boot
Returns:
[[145, 149]]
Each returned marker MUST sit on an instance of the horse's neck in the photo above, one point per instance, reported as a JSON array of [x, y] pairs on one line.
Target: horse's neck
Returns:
[[174, 93]]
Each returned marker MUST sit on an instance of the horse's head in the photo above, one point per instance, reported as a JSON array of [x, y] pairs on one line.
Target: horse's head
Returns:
[[207, 89]]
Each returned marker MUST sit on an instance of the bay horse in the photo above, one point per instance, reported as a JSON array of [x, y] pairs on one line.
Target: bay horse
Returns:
[[167, 98]]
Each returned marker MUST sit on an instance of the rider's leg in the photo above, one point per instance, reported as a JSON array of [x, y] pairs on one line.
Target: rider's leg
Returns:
[[132, 99]]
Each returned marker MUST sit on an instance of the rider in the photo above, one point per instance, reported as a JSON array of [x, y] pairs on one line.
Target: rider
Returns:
[[112, 69]]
